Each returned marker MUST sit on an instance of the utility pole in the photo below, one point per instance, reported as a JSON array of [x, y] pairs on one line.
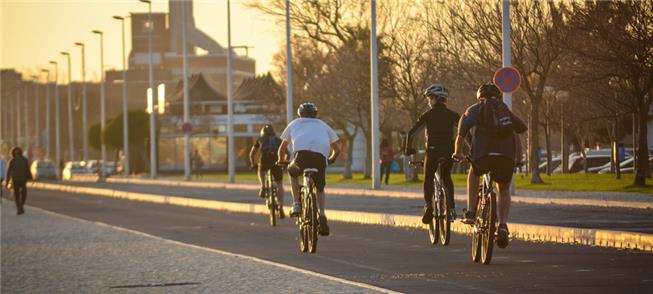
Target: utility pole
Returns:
[[84, 106], [125, 109], [71, 131], [187, 163], [231, 167], [46, 137], [57, 119], [103, 115], [37, 104], [153, 154], [376, 171], [289, 96]]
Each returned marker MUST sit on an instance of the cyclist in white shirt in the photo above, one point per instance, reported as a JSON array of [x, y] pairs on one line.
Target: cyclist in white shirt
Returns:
[[314, 144]]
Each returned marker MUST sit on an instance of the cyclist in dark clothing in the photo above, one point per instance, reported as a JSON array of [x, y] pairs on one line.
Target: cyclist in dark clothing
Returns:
[[493, 152], [440, 123], [18, 172], [266, 146]]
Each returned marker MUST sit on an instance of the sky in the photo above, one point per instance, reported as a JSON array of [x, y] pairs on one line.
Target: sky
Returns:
[[32, 32]]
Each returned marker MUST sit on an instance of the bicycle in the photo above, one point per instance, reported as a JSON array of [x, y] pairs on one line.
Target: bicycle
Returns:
[[271, 199], [440, 228], [308, 220], [485, 221]]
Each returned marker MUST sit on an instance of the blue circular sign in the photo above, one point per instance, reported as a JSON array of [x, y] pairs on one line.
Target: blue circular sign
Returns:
[[507, 79]]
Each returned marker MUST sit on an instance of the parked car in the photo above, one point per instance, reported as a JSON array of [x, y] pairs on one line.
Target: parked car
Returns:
[[109, 167], [43, 169], [555, 163], [74, 168], [593, 158], [626, 166]]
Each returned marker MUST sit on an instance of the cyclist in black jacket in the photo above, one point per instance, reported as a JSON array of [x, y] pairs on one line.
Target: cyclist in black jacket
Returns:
[[440, 123]]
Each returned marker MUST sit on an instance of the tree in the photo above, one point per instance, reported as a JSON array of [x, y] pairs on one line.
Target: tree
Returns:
[[472, 35], [618, 48]]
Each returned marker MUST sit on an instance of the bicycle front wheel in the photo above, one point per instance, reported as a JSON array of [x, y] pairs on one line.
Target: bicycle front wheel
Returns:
[[477, 229]]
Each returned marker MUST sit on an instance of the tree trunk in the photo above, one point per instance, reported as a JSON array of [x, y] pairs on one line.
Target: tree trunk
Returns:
[[534, 155], [564, 146], [642, 146], [547, 134], [347, 174]]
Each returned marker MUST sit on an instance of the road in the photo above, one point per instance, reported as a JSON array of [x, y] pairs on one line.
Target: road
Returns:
[[392, 258]]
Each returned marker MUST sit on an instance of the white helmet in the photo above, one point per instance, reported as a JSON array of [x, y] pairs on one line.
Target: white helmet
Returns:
[[437, 91]]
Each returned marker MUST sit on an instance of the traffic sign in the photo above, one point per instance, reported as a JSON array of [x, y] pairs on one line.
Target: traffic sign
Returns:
[[507, 79], [187, 128]]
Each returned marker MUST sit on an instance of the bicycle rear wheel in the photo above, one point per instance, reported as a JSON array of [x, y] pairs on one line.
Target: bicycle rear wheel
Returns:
[[312, 223], [433, 228], [301, 222], [477, 229], [272, 195], [443, 217], [490, 216]]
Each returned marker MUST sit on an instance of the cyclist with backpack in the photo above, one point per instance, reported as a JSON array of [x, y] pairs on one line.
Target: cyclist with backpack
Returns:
[[440, 123], [314, 144], [266, 146], [495, 148]]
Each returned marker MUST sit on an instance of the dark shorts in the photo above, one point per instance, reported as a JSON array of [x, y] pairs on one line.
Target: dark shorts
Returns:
[[277, 172], [499, 167], [308, 159]]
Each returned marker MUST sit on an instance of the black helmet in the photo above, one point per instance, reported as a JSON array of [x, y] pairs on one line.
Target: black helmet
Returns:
[[488, 91], [307, 109], [436, 91], [267, 130]]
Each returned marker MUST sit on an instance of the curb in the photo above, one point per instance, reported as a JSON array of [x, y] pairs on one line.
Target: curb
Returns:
[[392, 194], [526, 232]]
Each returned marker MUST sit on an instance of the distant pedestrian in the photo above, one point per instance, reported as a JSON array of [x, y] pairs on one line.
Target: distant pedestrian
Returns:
[[387, 158], [197, 164], [18, 173], [2, 176]]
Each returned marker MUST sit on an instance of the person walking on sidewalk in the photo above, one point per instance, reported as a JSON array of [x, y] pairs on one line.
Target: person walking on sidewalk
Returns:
[[18, 173], [440, 123], [3, 168], [387, 158]]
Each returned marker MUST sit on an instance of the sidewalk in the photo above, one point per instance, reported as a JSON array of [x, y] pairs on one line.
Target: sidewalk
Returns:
[[44, 252]]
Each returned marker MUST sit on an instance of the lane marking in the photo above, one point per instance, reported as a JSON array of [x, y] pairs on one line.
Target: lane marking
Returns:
[[525, 232], [222, 252]]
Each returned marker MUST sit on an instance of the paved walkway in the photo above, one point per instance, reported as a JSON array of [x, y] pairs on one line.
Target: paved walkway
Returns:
[[48, 253], [634, 220]]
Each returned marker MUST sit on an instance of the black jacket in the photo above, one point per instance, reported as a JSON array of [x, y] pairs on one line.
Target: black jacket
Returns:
[[440, 123], [18, 170]]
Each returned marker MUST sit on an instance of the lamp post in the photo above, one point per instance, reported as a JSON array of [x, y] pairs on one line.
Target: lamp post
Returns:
[[187, 163], [125, 110], [26, 115], [376, 172], [153, 155], [231, 167], [84, 107], [37, 123], [71, 131], [57, 116], [102, 103], [46, 136], [289, 98]]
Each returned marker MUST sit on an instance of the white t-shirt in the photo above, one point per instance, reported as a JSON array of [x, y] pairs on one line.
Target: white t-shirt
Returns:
[[310, 134]]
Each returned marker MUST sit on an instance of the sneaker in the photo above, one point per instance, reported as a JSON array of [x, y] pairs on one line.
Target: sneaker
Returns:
[[296, 210], [427, 218], [502, 236], [468, 217], [282, 214], [261, 193], [324, 228]]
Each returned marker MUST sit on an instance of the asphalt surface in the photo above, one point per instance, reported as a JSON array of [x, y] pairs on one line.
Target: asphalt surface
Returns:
[[397, 259], [621, 219]]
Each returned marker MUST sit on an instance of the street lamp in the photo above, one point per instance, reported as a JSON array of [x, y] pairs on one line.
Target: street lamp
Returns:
[[187, 160], [102, 103], [37, 122], [57, 115], [71, 131], [125, 110], [153, 155], [46, 136], [84, 107], [231, 164]]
